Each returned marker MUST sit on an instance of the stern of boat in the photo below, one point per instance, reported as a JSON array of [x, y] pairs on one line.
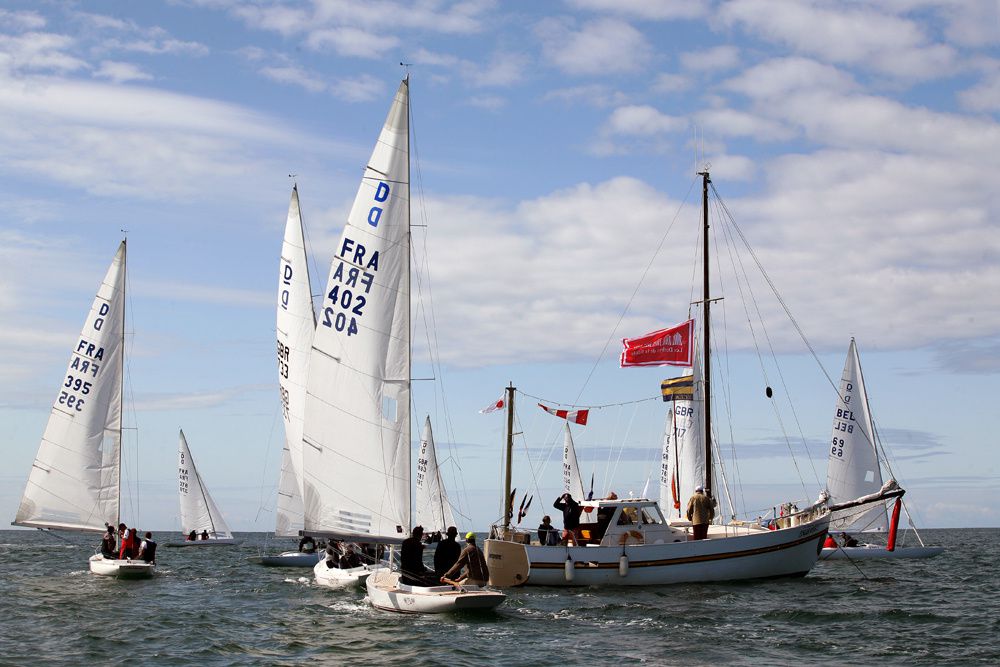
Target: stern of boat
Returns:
[[508, 563]]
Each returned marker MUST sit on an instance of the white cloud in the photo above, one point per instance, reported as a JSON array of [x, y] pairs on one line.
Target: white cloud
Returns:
[[985, 95], [37, 51], [362, 88], [600, 47], [593, 95], [488, 102], [295, 76], [775, 78], [120, 72], [642, 121], [726, 122], [22, 20], [717, 58], [349, 41], [667, 82], [859, 35], [661, 10]]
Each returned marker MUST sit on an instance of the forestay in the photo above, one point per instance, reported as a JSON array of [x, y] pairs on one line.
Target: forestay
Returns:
[[198, 511], [296, 321], [853, 470], [74, 481], [434, 512], [356, 470]]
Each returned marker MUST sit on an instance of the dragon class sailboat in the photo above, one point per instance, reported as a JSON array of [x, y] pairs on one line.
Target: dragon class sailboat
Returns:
[[75, 480], [858, 495], [356, 438], [636, 544], [201, 519]]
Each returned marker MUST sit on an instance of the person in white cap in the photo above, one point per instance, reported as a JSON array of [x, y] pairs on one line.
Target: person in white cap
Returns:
[[700, 512]]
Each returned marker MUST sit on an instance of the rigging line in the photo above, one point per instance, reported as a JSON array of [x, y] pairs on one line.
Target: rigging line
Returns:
[[263, 474], [589, 407], [784, 305], [741, 272], [635, 291]]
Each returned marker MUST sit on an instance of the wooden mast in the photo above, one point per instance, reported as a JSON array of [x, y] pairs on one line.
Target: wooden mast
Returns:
[[706, 367], [508, 507]]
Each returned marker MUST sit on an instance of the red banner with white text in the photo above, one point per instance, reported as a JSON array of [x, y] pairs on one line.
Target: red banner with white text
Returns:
[[666, 347]]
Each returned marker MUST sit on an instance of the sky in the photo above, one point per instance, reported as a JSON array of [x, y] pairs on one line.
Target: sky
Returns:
[[555, 207]]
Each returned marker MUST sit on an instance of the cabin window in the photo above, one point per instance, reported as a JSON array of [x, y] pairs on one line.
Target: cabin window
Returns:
[[627, 516], [649, 517]]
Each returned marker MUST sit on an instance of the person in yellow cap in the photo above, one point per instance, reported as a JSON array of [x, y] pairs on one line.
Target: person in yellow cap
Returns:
[[474, 562]]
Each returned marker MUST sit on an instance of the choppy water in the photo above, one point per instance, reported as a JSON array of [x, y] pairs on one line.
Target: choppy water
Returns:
[[212, 607]]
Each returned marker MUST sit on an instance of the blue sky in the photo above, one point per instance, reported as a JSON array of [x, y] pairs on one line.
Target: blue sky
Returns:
[[554, 144]]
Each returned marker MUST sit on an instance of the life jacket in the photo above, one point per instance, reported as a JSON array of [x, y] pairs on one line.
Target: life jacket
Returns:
[[149, 553]]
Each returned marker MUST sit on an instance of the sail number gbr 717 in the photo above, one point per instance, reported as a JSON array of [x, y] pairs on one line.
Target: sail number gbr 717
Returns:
[[355, 274]]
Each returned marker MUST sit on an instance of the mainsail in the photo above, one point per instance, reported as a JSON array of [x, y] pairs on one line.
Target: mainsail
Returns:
[[74, 481], [683, 457], [356, 453], [296, 322], [433, 511], [198, 511], [853, 469]]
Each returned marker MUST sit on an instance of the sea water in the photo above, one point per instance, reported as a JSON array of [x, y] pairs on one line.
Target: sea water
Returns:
[[211, 606]]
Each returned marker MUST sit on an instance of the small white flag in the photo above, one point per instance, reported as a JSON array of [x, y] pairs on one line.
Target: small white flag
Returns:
[[494, 406]]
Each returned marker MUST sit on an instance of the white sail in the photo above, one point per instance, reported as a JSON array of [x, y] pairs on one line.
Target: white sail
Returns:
[[572, 482], [198, 511], [296, 322], [683, 457], [356, 453], [433, 511], [853, 469], [74, 481]]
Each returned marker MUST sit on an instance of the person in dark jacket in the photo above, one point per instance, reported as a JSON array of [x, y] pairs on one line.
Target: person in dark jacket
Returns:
[[413, 572], [547, 534], [109, 546], [446, 552], [474, 562], [571, 517], [147, 550]]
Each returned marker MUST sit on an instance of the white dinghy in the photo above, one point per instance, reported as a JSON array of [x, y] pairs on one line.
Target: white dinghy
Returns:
[[854, 478], [75, 480], [386, 592], [201, 520]]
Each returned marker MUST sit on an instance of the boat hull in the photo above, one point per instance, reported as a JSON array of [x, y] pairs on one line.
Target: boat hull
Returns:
[[787, 552], [211, 542], [334, 577], [387, 593], [121, 569], [879, 552], [288, 559]]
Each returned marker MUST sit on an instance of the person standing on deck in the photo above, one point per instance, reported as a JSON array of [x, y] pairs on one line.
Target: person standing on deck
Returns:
[[700, 512], [571, 517], [446, 552]]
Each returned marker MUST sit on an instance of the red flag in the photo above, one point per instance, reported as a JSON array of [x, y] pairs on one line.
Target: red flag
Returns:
[[666, 347], [575, 416], [494, 406]]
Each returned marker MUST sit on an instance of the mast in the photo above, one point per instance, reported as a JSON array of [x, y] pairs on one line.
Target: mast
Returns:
[[121, 386], [409, 305], [707, 370], [507, 505]]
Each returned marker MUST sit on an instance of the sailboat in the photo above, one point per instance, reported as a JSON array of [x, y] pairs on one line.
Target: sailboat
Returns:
[[75, 480], [629, 542], [433, 510], [356, 438], [201, 519], [295, 323], [854, 476]]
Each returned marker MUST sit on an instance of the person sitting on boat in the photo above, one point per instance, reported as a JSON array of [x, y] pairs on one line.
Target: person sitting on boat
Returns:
[[204, 534], [192, 536], [446, 552], [413, 572], [108, 543], [829, 542], [700, 512], [307, 545], [474, 562], [548, 536], [350, 558], [332, 555], [571, 517], [147, 550], [847, 540]]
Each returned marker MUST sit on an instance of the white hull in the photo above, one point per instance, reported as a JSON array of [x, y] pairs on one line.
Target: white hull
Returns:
[[334, 577], [879, 552], [211, 542], [753, 555], [386, 593], [122, 569], [288, 559]]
